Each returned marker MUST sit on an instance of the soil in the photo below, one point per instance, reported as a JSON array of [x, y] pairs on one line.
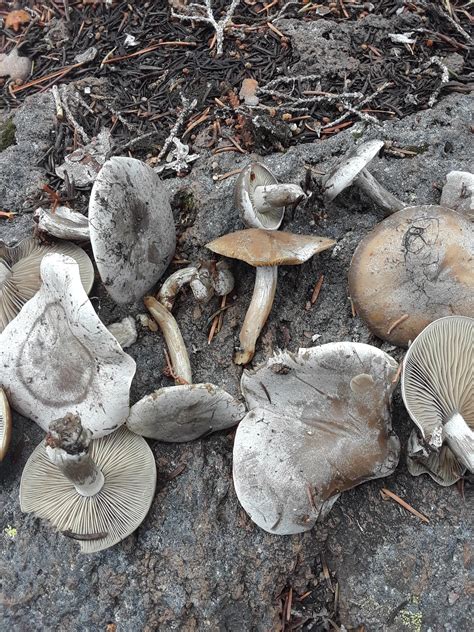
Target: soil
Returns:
[[197, 562]]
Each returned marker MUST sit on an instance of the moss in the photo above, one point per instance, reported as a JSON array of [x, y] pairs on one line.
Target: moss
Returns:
[[7, 134], [10, 532]]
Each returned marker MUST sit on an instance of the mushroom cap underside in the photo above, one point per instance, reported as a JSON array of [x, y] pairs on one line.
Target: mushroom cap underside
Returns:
[[313, 431], [5, 424], [97, 522], [412, 268], [443, 466], [252, 176], [184, 413], [259, 247]]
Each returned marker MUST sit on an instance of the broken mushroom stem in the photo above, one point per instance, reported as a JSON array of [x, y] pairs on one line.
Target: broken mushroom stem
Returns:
[[272, 196], [377, 193], [173, 338], [67, 446], [257, 313], [173, 284], [460, 439]]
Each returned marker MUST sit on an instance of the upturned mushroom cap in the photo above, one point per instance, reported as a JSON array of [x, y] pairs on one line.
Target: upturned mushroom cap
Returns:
[[5, 424], [259, 247], [184, 413], [57, 357], [442, 466], [437, 377], [253, 176], [412, 268], [346, 171], [63, 223], [97, 522], [319, 424], [20, 273], [131, 226]]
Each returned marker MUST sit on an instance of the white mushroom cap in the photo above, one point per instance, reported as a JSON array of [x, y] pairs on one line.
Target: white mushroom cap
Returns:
[[184, 413], [345, 172], [315, 428], [458, 193], [132, 228], [20, 273], [253, 176], [63, 223], [442, 466], [57, 357], [437, 379], [100, 521], [5, 424]]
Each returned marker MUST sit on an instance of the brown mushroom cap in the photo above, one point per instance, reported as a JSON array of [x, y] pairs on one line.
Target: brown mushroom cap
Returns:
[[259, 247], [414, 267]]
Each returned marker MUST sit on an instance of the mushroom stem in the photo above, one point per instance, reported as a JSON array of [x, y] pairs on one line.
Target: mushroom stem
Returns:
[[257, 313], [379, 194], [460, 439], [67, 446], [173, 284], [173, 338], [271, 196]]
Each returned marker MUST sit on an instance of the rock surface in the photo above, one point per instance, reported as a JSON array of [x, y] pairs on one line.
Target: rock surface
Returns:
[[197, 562]]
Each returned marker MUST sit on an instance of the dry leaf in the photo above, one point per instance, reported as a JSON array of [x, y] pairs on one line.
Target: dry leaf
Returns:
[[248, 91], [15, 19]]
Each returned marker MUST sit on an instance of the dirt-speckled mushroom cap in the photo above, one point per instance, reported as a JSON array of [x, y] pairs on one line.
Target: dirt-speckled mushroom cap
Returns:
[[100, 521], [57, 357], [346, 171], [132, 229], [183, 413], [412, 268], [438, 378], [443, 466], [259, 247], [5, 424], [253, 176], [319, 424], [20, 272]]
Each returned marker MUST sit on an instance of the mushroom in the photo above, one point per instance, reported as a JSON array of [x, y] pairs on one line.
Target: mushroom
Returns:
[[20, 273], [442, 466], [412, 268], [63, 223], [57, 357], [96, 492], [131, 226], [124, 331], [13, 66], [261, 200], [5, 424], [319, 424], [458, 193], [183, 413], [265, 250], [437, 386], [353, 170]]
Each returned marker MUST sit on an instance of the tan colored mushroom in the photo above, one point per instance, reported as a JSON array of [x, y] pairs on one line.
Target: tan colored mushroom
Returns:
[[412, 268], [265, 250], [319, 424], [5, 424]]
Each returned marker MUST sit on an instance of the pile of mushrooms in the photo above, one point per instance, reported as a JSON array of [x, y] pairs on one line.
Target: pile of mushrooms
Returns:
[[318, 421]]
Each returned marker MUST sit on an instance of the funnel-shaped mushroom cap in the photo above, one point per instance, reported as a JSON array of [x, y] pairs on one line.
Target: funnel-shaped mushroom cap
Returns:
[[319, 424], [20, 273], [412, 268], [253, 176], [438, 379], [131, 228], [5, 424], [259, 247], [99, 521], [57, 357], [345, 172], [184, 413], [442, 466]]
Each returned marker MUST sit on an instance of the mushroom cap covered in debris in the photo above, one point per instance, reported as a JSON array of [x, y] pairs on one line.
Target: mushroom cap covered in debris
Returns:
[[57, 357], [20, 272], [132, 229], [319, 424], [183, 413], [412, 268]]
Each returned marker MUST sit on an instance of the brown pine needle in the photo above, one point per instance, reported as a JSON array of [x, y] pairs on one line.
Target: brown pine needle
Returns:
[[317, 289], [326, 573], [386, 493], [223, 176], [289, 604], [221, 315], [148, 49], [395, 324], [212, 330]]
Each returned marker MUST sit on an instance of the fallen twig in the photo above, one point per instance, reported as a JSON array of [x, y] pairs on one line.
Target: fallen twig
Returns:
[[386, 493]]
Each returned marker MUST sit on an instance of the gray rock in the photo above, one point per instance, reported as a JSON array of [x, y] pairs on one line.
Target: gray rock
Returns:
[[197, 562], [458, 192]]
